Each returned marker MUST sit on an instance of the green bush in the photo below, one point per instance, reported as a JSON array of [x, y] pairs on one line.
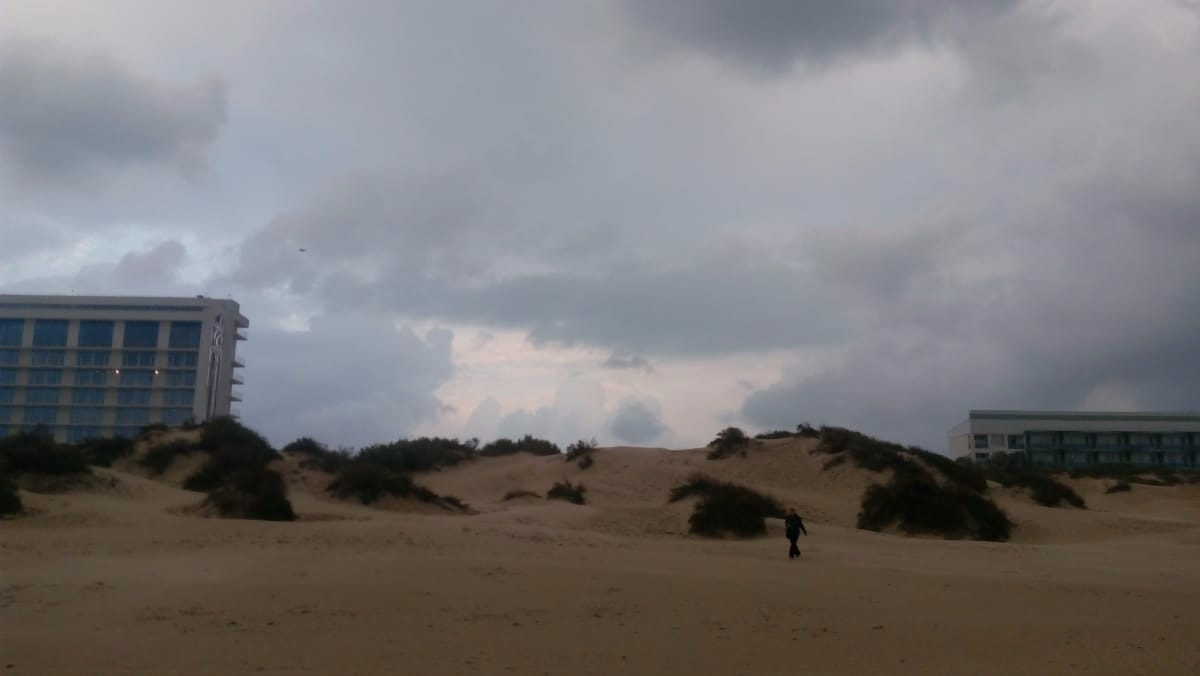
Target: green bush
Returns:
[[774, 434], [10, 500], [582, 452], [36, 452], [513, 495], [729, 441], [919, 506], [1119, 487], [868, 453], [725, 507], [315, 455], [226, 432], [417, 455], [226, 461], [565, 490], [807, 431], [252, 493], [369, 482], [965, 476], [103, 451], [1044, 489], [526, 444], [158, 458]]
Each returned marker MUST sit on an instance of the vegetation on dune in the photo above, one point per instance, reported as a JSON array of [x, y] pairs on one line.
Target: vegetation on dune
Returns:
[[526, 444], [104, 451], [368, 482], [565, 490], [10, 501], [516, 494], [252, 493], [582, 452], [316, 456], [236, 477], [1042, 488], [1119, 487], [161, 456], [418, 455], [1147, 476], [774, 434], [36, 452], [725, 507], [913, 499], [729, 441]]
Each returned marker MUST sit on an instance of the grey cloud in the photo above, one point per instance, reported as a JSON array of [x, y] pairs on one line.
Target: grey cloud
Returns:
[[350, 380], [637, 422], [773, 35], [621, 360], [69, 114]]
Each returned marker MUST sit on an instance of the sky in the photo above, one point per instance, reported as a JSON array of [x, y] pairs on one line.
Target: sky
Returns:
[[638, 221]]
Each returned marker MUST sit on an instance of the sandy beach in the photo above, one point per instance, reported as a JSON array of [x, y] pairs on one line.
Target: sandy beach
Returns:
[[125, 578]]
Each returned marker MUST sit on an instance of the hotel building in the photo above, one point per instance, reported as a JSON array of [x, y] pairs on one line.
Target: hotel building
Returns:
[[98, 366], [1074, 439]]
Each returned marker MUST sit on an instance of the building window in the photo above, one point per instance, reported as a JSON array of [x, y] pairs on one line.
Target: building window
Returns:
[[133, 416], [87, 416], [91, 358], [178, 397], [185, 336], [1107, 441], [141, 334], [95, 333], [181, 379], [981, 457], [45, 377], [981, 440], [7, 394], [137, 378], [50, 333], [5, 414], [91, 377], [182, 360], [42, 395], [127, 432], [49, 357], [1016, 441], [133, 397], [87, 396], [40, 415], [8, 376], [137, 359], [1141, 441], [10, 357], [177, 416], [996, 440], [12, 331]]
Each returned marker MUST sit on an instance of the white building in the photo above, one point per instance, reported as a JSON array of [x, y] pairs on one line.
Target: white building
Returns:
[[1075, 438], [89, 366]]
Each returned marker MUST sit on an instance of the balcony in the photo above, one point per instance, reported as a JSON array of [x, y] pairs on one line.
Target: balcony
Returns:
[[236, 379], [240, 335], [235, 395], [239, 362], [241, 322]]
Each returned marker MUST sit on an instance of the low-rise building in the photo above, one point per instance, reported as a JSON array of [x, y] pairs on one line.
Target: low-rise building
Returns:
[[1079, 438], [95, 366]]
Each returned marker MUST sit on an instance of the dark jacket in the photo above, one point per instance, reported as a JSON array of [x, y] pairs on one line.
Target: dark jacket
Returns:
[[793, 525]]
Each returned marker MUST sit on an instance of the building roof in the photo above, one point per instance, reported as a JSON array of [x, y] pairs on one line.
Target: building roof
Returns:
[[1144, 416]]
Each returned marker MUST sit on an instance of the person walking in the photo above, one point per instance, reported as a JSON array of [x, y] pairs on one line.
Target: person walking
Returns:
[[792, 527]]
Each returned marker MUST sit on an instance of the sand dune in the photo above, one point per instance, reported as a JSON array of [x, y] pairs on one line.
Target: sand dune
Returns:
[[121, 578]]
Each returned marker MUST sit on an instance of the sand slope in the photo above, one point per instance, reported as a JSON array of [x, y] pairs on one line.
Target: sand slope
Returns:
[[123, 580]]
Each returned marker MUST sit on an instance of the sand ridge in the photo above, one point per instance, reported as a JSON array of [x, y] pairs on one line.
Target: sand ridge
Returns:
[[125, 581]]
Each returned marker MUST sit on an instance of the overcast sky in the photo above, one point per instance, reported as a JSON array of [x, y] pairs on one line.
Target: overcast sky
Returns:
[[638, 221]]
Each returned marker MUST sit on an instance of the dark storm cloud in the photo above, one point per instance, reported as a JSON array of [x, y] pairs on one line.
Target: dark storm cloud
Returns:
[[636, 422], [772, 35], [68, 114]]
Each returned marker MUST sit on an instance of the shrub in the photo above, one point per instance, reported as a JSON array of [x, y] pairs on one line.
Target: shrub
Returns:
[[226, 432], [102, 452], [158, 458], [152, 428], [252, 493], [582, 451], [726, 507], [965, 476], [35, 452], [1119, 487], [226, 461], [807, 431], [919, 506], [775, 434], [10, 500], [513, 495], [417, 455], [316, 455], [868, 453], [728, 441], [368, 482], [1044, 489], [526, 444], [565, 490]]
